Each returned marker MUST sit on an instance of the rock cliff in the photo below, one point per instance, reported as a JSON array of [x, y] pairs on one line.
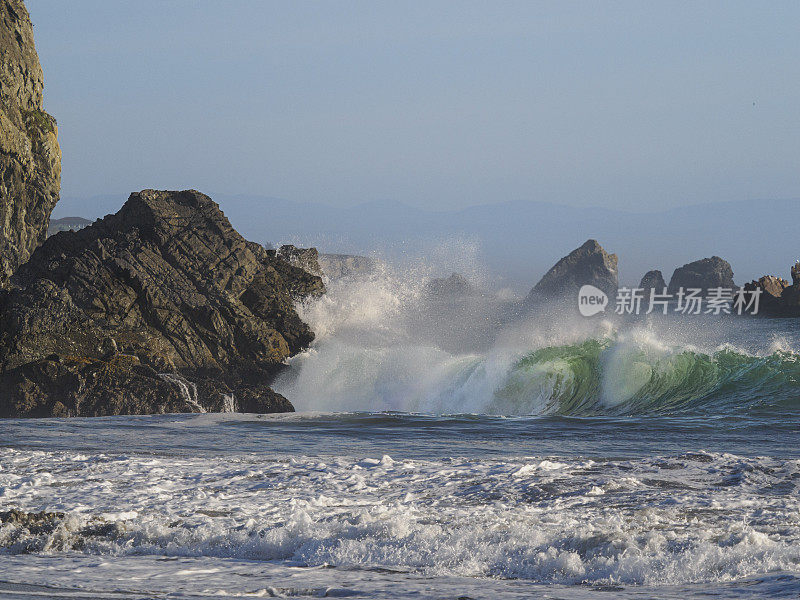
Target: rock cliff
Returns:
[[161, 307], [30, 158]]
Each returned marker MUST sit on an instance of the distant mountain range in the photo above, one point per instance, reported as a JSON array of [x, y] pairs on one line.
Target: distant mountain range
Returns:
[[518, 241]]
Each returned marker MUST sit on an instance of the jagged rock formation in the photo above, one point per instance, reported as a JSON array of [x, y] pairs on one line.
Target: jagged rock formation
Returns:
[[336, 266], [161, 307], [588, 265], [30, 158], [772, 299], [702, 274], [778, 297]]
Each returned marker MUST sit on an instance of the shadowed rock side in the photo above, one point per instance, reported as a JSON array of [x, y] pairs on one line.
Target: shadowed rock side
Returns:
[[588, 265], [30, 158], [161, 307], [702, 274]]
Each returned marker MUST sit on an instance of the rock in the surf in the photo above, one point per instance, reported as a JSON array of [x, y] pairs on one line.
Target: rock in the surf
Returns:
[[588, 265], [704, 274], [160, 307]]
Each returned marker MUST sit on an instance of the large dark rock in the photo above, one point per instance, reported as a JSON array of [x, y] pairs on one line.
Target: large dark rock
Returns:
[[160, 307], [588, 265], [702, 274], [30, 158]]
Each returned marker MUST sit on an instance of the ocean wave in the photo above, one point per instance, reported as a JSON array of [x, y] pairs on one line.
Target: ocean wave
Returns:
[[620, 374]]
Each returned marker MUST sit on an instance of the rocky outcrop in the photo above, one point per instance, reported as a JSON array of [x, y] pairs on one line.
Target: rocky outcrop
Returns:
[[771, 298], [777, 296], [588, 265], [653, 280], [455, 286], [337, 266], [30, 158], [702, 274], [161, 307]]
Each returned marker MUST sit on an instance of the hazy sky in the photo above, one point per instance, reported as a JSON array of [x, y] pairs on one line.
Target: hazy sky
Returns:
[[624, 105]]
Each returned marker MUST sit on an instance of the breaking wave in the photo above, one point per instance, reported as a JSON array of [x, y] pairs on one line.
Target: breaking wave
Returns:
[[386, 345]]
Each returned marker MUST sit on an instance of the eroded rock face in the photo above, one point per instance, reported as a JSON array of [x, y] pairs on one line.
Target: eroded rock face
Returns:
[[30, 158], [93, 321], [703, 274], [588, 265]]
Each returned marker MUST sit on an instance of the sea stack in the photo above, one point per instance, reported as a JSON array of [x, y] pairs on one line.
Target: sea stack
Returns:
[[588, 265]]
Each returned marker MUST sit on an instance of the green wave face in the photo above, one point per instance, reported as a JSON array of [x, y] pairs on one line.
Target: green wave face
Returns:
[[613, 377]]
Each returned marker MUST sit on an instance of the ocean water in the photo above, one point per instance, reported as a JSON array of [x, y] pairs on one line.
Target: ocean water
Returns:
[[441, 449]]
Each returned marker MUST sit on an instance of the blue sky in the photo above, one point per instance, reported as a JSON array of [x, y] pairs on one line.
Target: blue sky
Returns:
[[626, 105]]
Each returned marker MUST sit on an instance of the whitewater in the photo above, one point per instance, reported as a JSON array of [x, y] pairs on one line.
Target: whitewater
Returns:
[[444, 447]]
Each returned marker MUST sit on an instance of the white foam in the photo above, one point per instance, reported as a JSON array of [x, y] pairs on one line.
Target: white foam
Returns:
[[649, 521]]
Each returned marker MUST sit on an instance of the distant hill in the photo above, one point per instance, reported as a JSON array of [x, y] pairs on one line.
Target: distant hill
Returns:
[[518, 241], [67, 224], [521, 240]]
